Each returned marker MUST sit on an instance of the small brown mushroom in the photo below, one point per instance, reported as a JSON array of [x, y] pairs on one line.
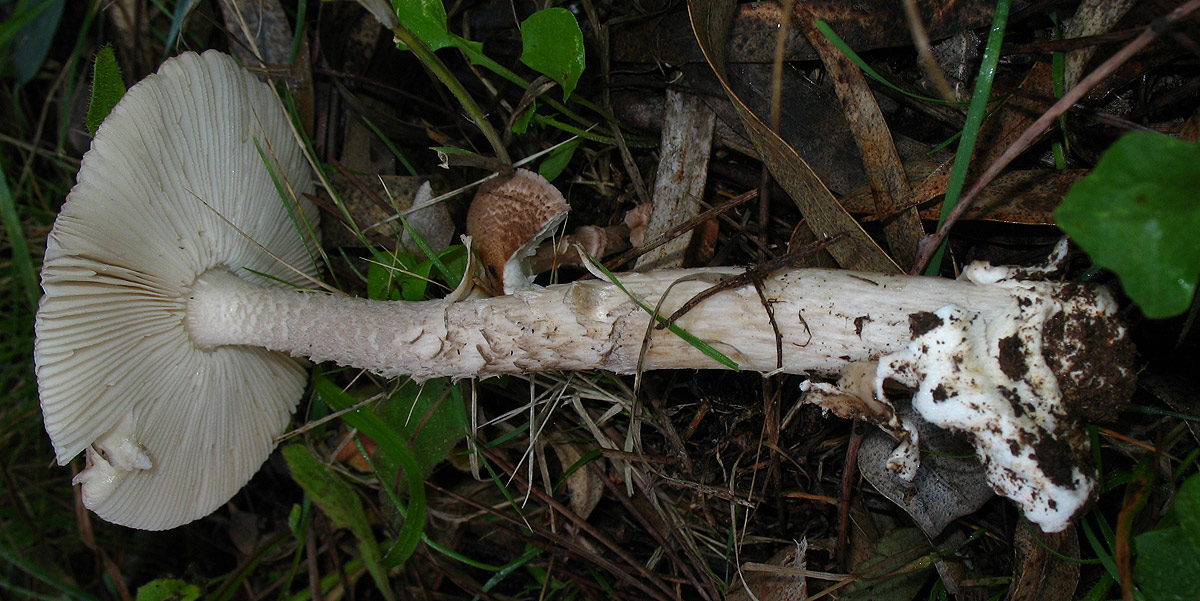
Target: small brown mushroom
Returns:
[[507, 221]]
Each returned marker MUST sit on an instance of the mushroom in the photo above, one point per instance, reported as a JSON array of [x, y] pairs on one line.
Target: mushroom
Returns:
[[175, 185], [158, 324], [509, 218]]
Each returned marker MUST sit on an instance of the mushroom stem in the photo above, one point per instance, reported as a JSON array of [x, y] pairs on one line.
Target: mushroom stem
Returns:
[[826, 318]]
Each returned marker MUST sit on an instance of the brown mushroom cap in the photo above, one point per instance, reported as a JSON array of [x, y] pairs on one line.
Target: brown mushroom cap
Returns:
[[507, 220]]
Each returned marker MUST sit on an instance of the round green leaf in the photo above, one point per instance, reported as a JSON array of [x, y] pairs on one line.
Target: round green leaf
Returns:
[[1137, 214], [553, 46], [1167, 567], [426, 19]]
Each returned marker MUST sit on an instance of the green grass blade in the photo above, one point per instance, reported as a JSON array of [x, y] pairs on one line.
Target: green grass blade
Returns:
[[845, 49], [399, 505], [687, 336], [970, 131], [13, 559], [390, 146], [22, 261]]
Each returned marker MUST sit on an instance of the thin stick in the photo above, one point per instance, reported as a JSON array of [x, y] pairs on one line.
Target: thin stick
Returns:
[[674, 232], [753, 275], [931, 243]]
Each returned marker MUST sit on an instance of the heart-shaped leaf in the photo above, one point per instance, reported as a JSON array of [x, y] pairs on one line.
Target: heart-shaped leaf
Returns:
[[1137, 215]]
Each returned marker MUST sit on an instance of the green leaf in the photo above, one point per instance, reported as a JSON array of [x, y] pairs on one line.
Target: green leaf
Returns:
[[1136, 214], [452, 264], [168, 589], [32, 42], [1168, 568], [431, 416], [328, 490], [553, 46], [554, 163], [107, 88], [370, 424], [520, 125], [15, 23], [338, 500], [397, 276], [1187, 509], [894, 552], [427, 20]]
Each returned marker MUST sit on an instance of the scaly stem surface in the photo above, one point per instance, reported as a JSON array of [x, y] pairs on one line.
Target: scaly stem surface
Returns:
[[827, 319]]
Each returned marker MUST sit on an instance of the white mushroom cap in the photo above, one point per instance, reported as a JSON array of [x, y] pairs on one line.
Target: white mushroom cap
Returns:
[[171, 431], [509, 218]]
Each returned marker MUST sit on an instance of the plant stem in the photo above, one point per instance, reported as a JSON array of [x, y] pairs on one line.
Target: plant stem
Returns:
[[439, 70]]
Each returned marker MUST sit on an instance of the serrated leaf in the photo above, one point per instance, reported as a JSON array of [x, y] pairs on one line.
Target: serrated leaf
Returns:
[[328, 490], [553, 46], [107, 88], [338, 500], [1137, 215], [405, 542]]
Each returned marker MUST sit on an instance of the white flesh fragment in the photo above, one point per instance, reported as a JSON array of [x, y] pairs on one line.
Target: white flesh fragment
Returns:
[[988, 376], [111, 459]]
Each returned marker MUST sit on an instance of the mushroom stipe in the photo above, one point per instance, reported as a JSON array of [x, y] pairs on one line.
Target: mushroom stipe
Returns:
[[173, 300]]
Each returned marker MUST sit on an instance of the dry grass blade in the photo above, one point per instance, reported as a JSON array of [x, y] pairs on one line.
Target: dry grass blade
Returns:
[[884, 169], [824, 215]]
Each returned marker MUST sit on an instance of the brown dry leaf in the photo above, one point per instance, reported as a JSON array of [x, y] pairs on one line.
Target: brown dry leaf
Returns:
[[1039, 573], [682, 173], [1027, 197], [1091, 18], [263, 43], [823, 215], [864, 24], [583, 484], [884, 170], [1017, 113], [811, 122], [786, 583]]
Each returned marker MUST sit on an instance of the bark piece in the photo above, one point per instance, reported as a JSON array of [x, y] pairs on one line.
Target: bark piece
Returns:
[[682, 172]]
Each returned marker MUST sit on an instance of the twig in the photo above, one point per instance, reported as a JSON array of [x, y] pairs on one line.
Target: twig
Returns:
[[1156, 27], [753, 275], [678, 230]]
